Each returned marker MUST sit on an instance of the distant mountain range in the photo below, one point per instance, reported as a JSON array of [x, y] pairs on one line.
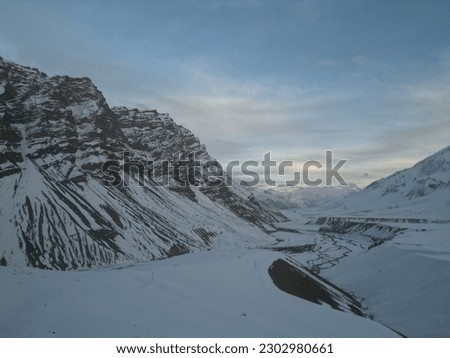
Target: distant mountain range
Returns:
[[301, 197], [56, 133], [422, 191]]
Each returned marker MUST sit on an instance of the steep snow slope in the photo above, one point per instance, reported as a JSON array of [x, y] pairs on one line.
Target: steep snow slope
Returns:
[[405, 282], [56, 212]]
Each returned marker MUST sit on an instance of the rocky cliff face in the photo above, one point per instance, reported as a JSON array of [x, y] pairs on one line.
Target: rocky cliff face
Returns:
[[57, 133]]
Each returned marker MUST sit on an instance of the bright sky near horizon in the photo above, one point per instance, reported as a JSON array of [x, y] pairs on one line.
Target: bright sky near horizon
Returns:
[[369, 80]]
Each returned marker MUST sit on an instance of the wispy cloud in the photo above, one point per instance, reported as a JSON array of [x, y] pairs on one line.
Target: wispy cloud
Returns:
[[329, 62], [376, 134], [361, 60]]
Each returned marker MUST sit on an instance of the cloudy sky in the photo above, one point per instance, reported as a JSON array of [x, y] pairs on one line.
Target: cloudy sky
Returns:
[[369, 80]]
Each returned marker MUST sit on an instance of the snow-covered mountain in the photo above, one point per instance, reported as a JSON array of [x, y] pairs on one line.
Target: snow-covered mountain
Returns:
[[55, 135], [422, 191]]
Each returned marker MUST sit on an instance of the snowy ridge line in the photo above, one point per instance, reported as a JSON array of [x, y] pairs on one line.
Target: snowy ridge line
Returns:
[[419, 192], [292, 277]]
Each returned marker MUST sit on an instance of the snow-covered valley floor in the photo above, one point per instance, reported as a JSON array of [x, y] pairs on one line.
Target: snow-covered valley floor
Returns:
[[209, 294], [404, 283]]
